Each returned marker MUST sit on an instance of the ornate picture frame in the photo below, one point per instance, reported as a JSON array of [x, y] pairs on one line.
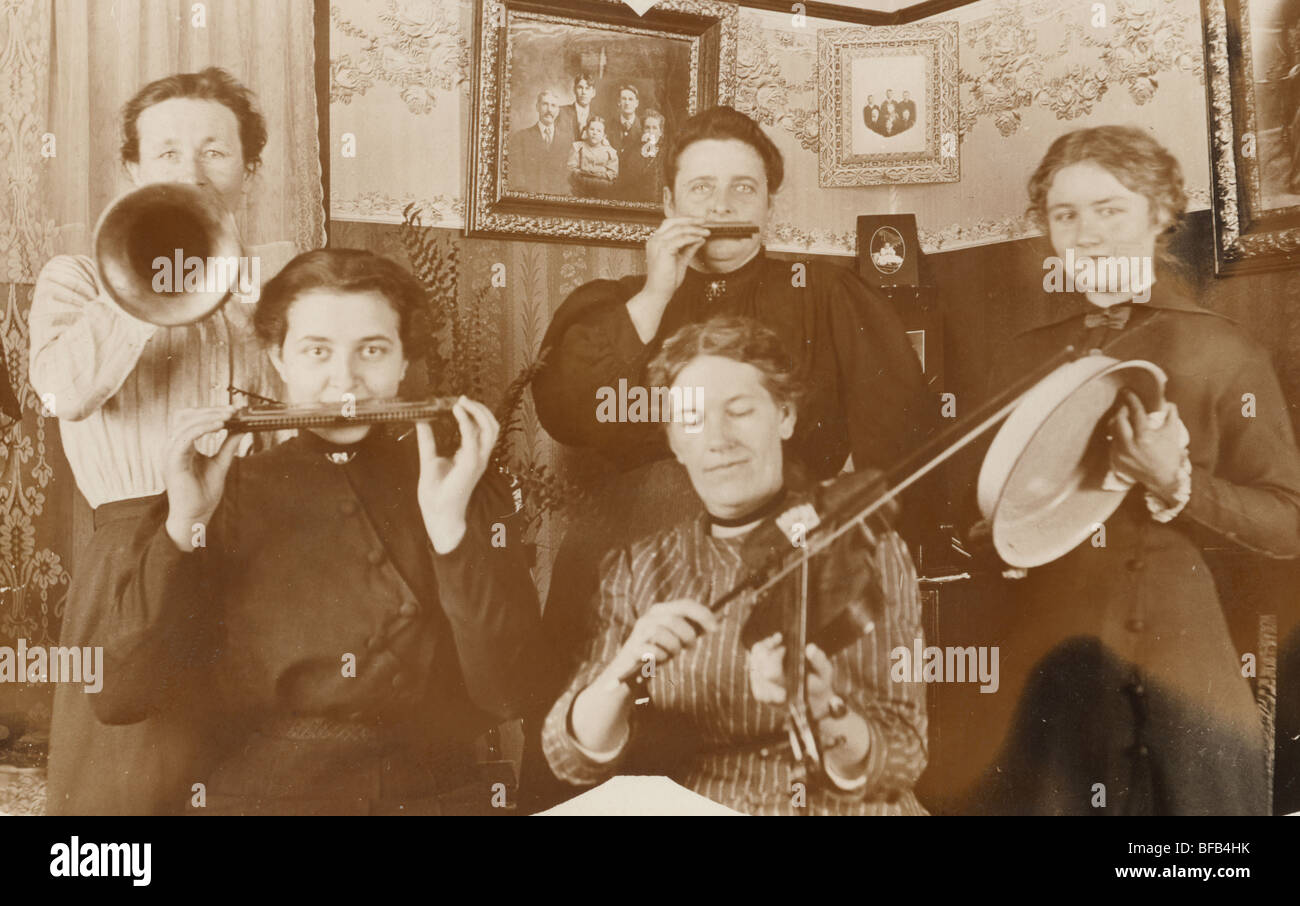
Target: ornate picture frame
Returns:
[[538, 168], [887, 105], [1253, 140]]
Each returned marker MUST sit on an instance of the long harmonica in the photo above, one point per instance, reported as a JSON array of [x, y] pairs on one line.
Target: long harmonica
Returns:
[[731, 230], [345, 415]]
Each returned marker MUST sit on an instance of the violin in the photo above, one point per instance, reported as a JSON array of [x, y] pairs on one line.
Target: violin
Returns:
[[824, 542]]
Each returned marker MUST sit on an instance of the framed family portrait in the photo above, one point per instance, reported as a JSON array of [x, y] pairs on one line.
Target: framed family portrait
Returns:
[[887, 105], [574, 103], [1252, 59]]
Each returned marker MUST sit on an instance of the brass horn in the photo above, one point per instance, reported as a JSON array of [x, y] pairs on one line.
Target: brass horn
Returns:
[[145, 243]]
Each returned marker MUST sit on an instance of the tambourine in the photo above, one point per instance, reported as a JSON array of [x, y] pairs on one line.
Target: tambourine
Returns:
[[1041, 486]]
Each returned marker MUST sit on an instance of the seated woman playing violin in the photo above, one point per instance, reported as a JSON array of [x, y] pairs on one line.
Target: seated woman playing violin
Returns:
[[726, 705], [337, 604]]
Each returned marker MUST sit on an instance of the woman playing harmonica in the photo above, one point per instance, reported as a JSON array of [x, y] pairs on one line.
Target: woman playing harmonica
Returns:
[[867, 396], [352, 603]]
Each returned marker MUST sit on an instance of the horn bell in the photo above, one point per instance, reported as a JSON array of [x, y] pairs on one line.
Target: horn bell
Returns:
[[176, 222]]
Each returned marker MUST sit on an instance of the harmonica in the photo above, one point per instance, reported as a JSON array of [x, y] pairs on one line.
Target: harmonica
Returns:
[[345, 415], [731, 230]]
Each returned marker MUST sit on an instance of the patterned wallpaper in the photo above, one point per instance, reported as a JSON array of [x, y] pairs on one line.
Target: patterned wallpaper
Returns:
[[65, 68], [1030, 70]]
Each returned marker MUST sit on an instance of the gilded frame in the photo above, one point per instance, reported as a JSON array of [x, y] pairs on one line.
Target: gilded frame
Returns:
[[932, 154], [710, 27], [1247, 237]]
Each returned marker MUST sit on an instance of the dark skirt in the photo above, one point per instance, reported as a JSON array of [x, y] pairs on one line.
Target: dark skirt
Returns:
[[143, 768], [1121, 689]]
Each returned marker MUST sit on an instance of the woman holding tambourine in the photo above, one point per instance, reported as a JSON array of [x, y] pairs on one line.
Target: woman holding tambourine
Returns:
[[1134, 699]]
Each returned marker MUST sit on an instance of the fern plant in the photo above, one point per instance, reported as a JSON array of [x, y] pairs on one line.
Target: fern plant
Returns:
[[454, 340]]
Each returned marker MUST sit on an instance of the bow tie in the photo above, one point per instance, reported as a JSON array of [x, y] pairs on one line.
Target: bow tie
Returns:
[[1114, 317]]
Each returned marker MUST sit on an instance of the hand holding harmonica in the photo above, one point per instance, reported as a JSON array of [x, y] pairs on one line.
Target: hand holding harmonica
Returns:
[[447, 480], [669, 252], [670, 249], [195, 482]]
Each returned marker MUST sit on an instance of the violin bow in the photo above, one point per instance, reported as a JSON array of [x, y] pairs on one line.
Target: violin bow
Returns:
[[880, 493]]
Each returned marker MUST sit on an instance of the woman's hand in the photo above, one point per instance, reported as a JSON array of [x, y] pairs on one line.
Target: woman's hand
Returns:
[[767, 675], [1150, 455], [195, 482], [668, 252], [662, 633], [600, 712], [842, 733], [446, 483]]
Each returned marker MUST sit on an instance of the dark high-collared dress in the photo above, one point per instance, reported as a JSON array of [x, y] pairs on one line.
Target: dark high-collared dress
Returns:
[[1117, 657], [868, 398], [344, 665]]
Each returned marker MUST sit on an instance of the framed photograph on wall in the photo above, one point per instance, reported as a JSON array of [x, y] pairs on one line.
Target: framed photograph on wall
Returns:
[[1252, 60], [924, 328], [574, 102], [889, 252], [887, 105]]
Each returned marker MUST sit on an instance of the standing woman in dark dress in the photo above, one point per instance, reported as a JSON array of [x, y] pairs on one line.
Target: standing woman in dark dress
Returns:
[[868, 397], [1134, 700]]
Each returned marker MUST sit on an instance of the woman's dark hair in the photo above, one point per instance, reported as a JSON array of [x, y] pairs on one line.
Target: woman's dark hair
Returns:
[[1139, 162], [212, 84], [726, 123], [346, 270], [731, 337]]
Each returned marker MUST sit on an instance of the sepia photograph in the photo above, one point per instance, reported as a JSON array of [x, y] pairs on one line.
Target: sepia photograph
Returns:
[[889, 110], [888, 105], [606, 102], [575, 105], [1251, 67], [1274, 29], [647, 408]]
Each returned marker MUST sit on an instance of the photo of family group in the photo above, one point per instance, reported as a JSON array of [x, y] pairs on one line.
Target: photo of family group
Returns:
[[892, 115], [590, 111]]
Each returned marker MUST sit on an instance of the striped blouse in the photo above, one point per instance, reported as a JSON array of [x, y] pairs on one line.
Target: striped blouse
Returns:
[[114, 381], [703, 695]]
